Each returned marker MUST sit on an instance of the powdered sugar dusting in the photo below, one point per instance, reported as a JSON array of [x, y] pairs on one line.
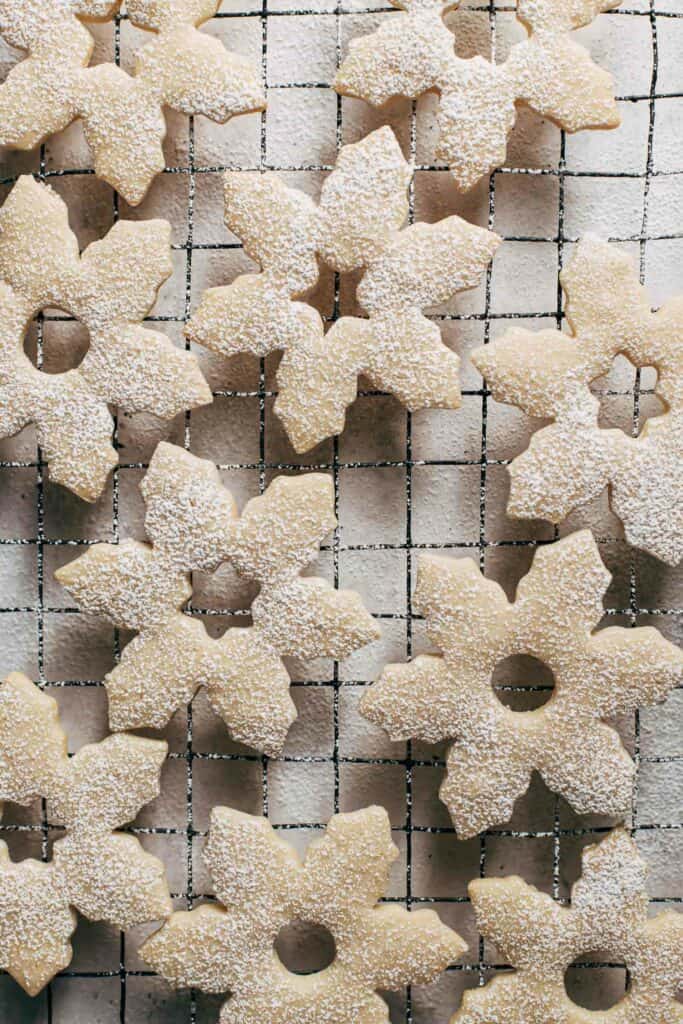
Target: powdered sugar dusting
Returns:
[[549, 374], [412, 53], [609, 912], [110, 288], [558, 604], [105, 875], [262, 885], [122, 116], [357, 225], [193, 523]]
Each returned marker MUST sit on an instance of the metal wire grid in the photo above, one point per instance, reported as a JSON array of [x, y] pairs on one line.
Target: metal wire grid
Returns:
[[481, 968]]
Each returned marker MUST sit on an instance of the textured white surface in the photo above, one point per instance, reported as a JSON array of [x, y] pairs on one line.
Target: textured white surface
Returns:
[[301, 130]]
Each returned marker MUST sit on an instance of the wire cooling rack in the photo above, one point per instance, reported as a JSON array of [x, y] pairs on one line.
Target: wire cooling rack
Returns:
[[402, 484]]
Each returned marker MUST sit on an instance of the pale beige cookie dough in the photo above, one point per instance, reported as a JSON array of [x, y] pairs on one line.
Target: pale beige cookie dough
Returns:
[[547, 373], [110, 288], [357, 225], [412, 53], [193, 524], [105, 875], [262, 885], [122, 115], [599, 674], [608, 915]]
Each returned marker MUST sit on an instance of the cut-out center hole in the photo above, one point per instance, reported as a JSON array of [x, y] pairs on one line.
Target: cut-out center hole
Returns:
[[522, 683], [65, 344], [305, 947], [596, 988], [623, 405]]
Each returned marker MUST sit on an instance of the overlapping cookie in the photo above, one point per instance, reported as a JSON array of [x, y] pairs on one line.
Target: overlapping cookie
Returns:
[[110, 288], [262, 885], [193, 524], [412, 53], [549, 374], [122, 115], [540, 938], [357, 225], [558, 605], [104, 874]]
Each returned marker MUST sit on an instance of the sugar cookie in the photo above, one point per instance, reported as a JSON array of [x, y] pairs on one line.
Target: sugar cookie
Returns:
[[356, 226], [103, 874], [540, 938], [597, 674], [549, 374], [110, 288], [122, 116], [192, 523], [412, 53], [262, 885]]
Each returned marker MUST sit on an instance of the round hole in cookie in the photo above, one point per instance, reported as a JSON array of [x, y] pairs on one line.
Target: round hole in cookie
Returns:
[[594, 982], [64, 344], [617, 392], [522, 683], [305, 947]]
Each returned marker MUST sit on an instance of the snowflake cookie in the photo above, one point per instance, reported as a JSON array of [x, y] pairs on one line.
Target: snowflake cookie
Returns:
[[547, 373], [597, 674], [110, 288], [540, 938], [122, 115], [412, 53], [356, 226], [262, 886], [104, 874], [193, 524]]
